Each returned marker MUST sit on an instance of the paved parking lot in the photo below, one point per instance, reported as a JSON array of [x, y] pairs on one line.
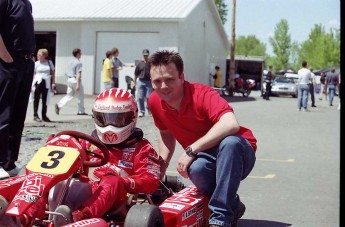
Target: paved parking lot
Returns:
[[296, 178]]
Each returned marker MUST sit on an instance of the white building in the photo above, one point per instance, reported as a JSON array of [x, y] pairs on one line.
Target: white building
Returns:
[[191, 27]]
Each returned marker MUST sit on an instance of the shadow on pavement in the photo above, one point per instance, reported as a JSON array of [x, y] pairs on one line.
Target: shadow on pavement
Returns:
[[260, 223], [238, 98]]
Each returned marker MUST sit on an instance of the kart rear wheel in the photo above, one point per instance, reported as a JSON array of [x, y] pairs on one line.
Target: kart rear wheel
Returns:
[[144, 215]]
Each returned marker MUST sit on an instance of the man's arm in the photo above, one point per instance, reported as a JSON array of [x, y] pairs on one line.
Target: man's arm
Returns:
[[166, 146], [227, 125], [78, 77]]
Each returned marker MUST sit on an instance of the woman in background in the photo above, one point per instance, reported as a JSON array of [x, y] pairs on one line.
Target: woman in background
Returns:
[[43, 83]]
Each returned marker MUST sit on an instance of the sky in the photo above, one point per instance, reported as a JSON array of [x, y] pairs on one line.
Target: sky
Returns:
[[260, 17]]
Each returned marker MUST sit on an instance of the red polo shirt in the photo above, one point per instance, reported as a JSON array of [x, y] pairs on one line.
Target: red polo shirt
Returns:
[[200, 109]]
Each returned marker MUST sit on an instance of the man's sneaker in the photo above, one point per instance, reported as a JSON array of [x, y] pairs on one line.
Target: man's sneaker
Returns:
[[37, 118], [240, 210], [82, 113], [141, 114], [238, 214], [57, 109], [3, 173], [63, 216], [46, 119], [8, 173]]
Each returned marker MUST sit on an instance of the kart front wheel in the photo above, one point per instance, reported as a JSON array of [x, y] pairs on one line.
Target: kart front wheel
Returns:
[[144, 215]]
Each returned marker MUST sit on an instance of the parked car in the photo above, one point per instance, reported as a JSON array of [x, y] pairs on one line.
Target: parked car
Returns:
[[284, 86]]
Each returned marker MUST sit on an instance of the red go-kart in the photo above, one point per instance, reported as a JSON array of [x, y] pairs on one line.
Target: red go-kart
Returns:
[[60, 170]]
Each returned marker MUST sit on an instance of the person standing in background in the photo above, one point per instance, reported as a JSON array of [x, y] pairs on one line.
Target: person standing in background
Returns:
[[217, 77], [268, 83], [322, 88], [17, 44], [116, 65], [332, 81], [304, 76], [142, 82], [312, 84], [74, 84], [43, 83], [107, 71]]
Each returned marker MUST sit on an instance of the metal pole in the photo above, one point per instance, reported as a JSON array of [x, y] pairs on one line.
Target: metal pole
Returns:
[[232, 50]]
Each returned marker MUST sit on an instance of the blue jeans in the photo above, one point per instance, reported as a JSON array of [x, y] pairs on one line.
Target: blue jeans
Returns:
[[217, 173], [303, 93], [331, 93], [144, 88]]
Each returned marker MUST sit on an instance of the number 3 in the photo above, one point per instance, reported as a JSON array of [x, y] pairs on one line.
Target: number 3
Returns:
[[54, 161]]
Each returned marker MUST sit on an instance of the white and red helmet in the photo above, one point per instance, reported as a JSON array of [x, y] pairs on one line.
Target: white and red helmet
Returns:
[[115, 114]]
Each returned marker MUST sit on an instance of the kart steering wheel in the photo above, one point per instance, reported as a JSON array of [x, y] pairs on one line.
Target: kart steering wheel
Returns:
[[103, 157]]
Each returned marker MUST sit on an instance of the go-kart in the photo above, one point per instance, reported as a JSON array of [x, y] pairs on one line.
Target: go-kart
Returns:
[[60, 170]]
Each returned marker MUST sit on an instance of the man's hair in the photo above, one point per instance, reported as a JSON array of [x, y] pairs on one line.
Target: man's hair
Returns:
[[76, 51], [217, 67], [304, 63], [165, 57], [108, 53], [115, 50]]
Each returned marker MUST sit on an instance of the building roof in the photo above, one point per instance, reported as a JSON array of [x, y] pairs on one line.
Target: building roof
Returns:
[[52, 10]]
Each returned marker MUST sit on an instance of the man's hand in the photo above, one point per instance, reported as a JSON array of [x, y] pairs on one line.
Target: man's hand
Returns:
[[77, 87], [183, 163], [6, 57], [4, 54]]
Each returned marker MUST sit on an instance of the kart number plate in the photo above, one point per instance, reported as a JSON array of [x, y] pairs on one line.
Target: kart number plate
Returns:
[[53, 160]]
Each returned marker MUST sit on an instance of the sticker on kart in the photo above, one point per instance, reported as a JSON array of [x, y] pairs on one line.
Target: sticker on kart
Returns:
[[53, 160]]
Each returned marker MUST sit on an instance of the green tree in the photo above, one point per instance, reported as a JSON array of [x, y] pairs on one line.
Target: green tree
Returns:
[[250, 46], [294, 56], [223, 12], [281, 43], [321, 49]]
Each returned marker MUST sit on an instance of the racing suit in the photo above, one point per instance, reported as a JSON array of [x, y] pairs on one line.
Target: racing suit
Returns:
[[133, 167]]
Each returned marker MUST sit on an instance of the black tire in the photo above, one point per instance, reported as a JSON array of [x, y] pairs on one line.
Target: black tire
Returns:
[[144, 215], [246, 93]]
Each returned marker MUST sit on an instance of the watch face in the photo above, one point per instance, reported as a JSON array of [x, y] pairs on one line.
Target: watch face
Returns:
[[188, 150]]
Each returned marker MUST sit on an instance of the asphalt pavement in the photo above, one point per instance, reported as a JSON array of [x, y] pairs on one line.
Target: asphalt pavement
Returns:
[[296, 178]]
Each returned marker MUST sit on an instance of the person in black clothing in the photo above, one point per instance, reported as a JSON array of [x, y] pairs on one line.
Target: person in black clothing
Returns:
[[322, 88], [142, 82], [268, 84], [312, 88], [17, 44]]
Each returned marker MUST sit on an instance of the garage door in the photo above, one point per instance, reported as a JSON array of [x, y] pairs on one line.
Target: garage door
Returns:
[[130, 45]]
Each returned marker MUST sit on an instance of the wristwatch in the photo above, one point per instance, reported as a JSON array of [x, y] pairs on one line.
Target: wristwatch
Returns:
[[190, 152]]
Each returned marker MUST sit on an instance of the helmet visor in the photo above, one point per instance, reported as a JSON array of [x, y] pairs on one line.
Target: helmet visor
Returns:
[[118, 120]]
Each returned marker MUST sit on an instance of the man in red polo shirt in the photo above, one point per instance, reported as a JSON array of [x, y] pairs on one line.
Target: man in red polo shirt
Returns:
[[219, 153]]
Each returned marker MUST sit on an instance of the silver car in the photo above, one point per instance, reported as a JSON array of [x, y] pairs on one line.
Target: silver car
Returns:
[[284, 86]]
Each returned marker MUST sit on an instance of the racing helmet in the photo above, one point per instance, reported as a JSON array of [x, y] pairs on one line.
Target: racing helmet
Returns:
[[115, 113]]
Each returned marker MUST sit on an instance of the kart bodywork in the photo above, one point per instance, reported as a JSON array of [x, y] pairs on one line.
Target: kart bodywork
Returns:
[[59, 171]]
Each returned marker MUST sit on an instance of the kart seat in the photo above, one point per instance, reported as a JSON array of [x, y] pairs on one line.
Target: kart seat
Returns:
[[76, 194]]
